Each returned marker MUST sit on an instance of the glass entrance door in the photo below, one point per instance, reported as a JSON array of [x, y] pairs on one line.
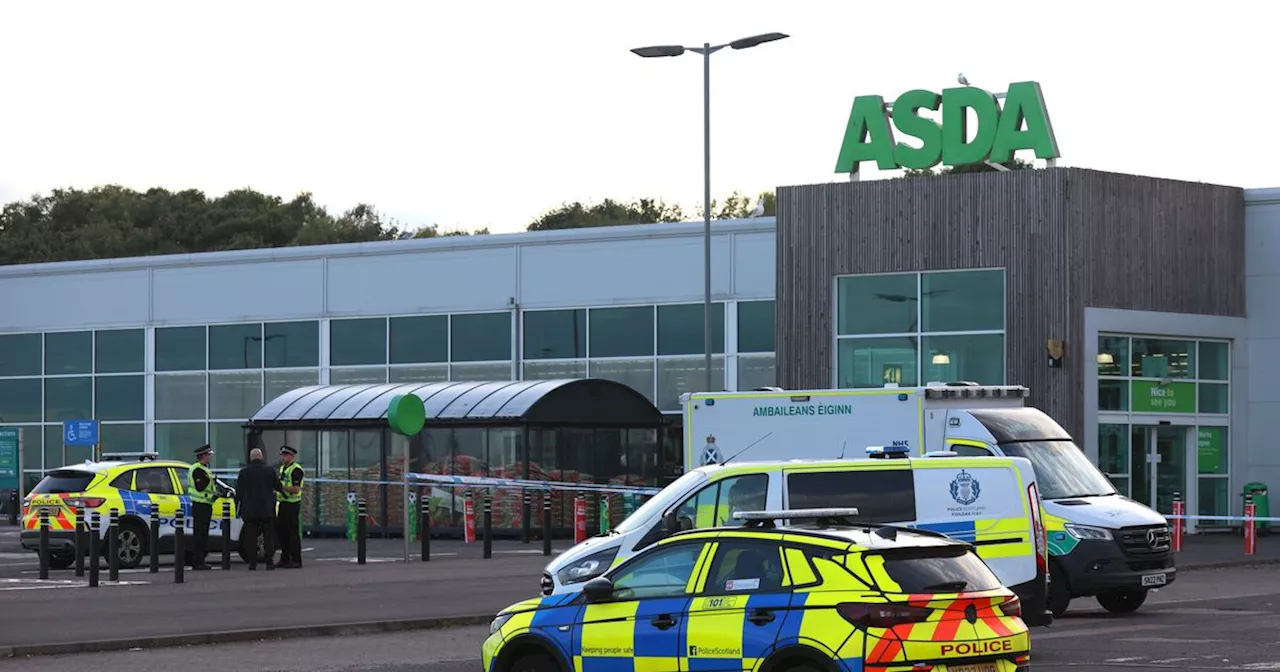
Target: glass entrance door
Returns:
[[1159, 465]]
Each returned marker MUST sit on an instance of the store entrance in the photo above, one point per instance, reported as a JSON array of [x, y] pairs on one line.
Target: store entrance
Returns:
[[1159, 465]]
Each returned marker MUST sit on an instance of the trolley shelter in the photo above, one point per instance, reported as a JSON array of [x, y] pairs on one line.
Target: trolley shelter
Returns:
[[571, 430]]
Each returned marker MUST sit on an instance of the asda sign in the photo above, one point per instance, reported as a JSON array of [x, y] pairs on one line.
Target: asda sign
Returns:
[[1022, 123]]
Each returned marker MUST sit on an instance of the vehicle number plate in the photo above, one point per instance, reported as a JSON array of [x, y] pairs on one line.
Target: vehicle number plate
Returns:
[[1153, 580], [984, 667]]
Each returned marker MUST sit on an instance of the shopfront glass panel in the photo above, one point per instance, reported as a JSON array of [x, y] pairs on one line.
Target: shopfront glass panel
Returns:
[[1113, 454], [122, 438], [119, 351], [621, 332], [235, 346], [20, 355], [290, 344], [357, 342], [756, 326], [419, 339], [68, 399], [180, 349], [179, 440], [419, 373], [1113, 355], [68, 352], [875, 362], [480, 372], [1215, 360], [1113, 395], [120, 397], [1214, 398], [681, 329], [235, 395], [638, 374], [555, 334], [756, 371], [228, 442], [554, 370], [358, 375], [20, 399], [1214, 497], [977, 357], [962, 301], [1163, 358], [1211, 451], [877, 304], [276, 383], [180, 396], [480, 337], [677, 376]]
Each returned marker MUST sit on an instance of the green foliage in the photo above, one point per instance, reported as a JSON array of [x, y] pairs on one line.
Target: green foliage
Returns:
[[608, 212], [112, 221], [1015, 164], [738, 206]]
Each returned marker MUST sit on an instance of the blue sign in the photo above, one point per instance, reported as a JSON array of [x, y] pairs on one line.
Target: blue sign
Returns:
[[80, 432]]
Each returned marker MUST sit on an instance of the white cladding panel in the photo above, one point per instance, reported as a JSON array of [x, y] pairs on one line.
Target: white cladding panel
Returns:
[[268, 290], [755, 267], [640, 270], [427, 281], [73, 300]]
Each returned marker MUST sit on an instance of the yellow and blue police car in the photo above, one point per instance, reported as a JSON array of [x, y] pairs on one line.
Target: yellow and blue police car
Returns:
[[131, 484], [816, 593]]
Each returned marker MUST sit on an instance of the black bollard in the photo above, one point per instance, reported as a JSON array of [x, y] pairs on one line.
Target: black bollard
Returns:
[[426, 531], [546, 523], [155, 538], [113, 546], [226, 536], [13, 507], [44, 543], [526, 524], [488, 525], [179, 559], [362, 523], [95, 549], [79, 542]]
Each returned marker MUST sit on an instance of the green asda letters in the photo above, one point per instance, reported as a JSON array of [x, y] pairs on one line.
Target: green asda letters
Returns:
[[998, 134]]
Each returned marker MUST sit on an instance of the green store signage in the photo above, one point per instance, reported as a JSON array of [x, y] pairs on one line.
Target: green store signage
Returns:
[[1000, 131], [1149, 396], [1209, 449]]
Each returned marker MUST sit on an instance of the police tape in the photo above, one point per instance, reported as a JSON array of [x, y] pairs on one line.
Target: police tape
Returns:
[[1257, 519], [528, 484]]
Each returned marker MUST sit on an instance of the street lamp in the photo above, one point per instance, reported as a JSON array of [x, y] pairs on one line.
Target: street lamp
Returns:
[[706, 50]]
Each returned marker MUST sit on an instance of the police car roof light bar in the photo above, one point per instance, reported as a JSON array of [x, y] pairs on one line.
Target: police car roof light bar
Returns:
[[768, 519], [129, 457]]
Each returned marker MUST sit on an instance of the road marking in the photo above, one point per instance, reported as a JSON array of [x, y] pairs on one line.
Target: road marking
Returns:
[[1125, 660], [39, 584], [1171, 640], [1260, 666], [1192, 611], [1166, 661], [1086, 632], [18, 556]]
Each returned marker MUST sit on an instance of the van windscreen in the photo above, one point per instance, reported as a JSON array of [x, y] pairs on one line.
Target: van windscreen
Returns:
[[879, 495]]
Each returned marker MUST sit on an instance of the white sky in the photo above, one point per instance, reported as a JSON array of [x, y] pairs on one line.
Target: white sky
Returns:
[[486, 113]]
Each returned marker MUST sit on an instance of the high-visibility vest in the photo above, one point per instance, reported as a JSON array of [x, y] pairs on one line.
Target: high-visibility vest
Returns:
[[286, 480], [210, 492]]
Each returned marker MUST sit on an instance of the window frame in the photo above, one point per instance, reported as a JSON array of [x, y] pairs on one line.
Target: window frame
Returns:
[[702, 545], [778, 547]]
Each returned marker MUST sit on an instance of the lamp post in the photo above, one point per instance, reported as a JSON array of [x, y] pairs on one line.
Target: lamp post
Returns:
[[706, 50]]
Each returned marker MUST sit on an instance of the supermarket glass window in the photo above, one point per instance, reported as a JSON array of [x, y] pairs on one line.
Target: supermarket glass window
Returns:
[[235, 395], [180, 396], [480, 337], [180, 349], [290, 344], [20, 355], [677, 376], [875, 362], [755, 326], [1113, 395], [20, 399], [68, 399], [123, 438], [178, 440], [68, 352], [962, 301], [555, 334], [235, 346], [622, 332], [1211, 450], [120, 397], [1113, 353], [1163, 358], [756, 371], [420, 339], [877, 304], [975, 357], [1214, 398], [681, 329], [228, 440], [119, 351], [638, 374], [1215, 361], [357, 342], [276, 383]]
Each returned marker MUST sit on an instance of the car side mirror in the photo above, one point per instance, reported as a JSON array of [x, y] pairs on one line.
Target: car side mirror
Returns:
[[598, 589], [670, 523]]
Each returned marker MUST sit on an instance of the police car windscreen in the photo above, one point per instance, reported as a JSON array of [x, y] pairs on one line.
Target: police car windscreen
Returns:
[[1019, 424], [880, 496], [949, 569], [63, 480]]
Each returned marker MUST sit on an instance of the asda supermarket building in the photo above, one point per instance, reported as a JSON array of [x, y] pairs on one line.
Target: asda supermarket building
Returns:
[[1140, 312]]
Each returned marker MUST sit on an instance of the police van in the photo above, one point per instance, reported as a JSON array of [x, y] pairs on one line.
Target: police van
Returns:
[[989, 502], [1101, 543]]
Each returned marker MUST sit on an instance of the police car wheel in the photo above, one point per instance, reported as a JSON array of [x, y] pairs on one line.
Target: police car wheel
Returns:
[[61, 560], [132, 545], [534, 662], [1122, 600]]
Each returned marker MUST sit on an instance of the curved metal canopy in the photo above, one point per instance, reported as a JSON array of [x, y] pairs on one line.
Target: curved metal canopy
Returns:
[[570, 401]]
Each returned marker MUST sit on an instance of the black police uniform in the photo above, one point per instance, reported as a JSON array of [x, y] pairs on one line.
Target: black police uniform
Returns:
[[289, 515]]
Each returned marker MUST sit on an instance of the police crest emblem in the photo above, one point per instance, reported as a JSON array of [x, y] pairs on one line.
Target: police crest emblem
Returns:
[[965, 488], [711, 452]]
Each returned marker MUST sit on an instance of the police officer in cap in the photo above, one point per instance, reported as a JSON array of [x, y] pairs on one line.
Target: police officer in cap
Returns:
[[203, 490], [289, 514]]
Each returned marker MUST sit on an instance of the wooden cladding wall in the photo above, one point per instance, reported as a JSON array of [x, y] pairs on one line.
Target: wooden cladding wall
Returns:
[[1053, 231]]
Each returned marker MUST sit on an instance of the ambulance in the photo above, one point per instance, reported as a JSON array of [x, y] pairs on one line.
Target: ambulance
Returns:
[[1101, 543]]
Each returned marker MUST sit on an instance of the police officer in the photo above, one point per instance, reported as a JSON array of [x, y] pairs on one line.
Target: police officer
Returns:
[[289, 514], [203, 490]]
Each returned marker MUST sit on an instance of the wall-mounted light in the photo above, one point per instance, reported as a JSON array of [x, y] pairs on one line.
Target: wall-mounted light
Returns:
[[1057, 349], [1106, 358], [941, 358]]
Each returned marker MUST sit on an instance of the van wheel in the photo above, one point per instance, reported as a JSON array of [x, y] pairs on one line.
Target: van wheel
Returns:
[[62, 560], [1122, 600], [1059, 591]]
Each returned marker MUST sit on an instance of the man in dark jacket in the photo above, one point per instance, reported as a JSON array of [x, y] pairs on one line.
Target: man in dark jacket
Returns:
[[256, 489]]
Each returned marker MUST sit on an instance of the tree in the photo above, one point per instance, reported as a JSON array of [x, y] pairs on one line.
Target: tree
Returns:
[[111, 221], [738, 206], [1015, 164], [608, 212]]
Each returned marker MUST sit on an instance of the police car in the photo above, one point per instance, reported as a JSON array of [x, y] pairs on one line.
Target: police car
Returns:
[[131, 484], [816, 593]]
